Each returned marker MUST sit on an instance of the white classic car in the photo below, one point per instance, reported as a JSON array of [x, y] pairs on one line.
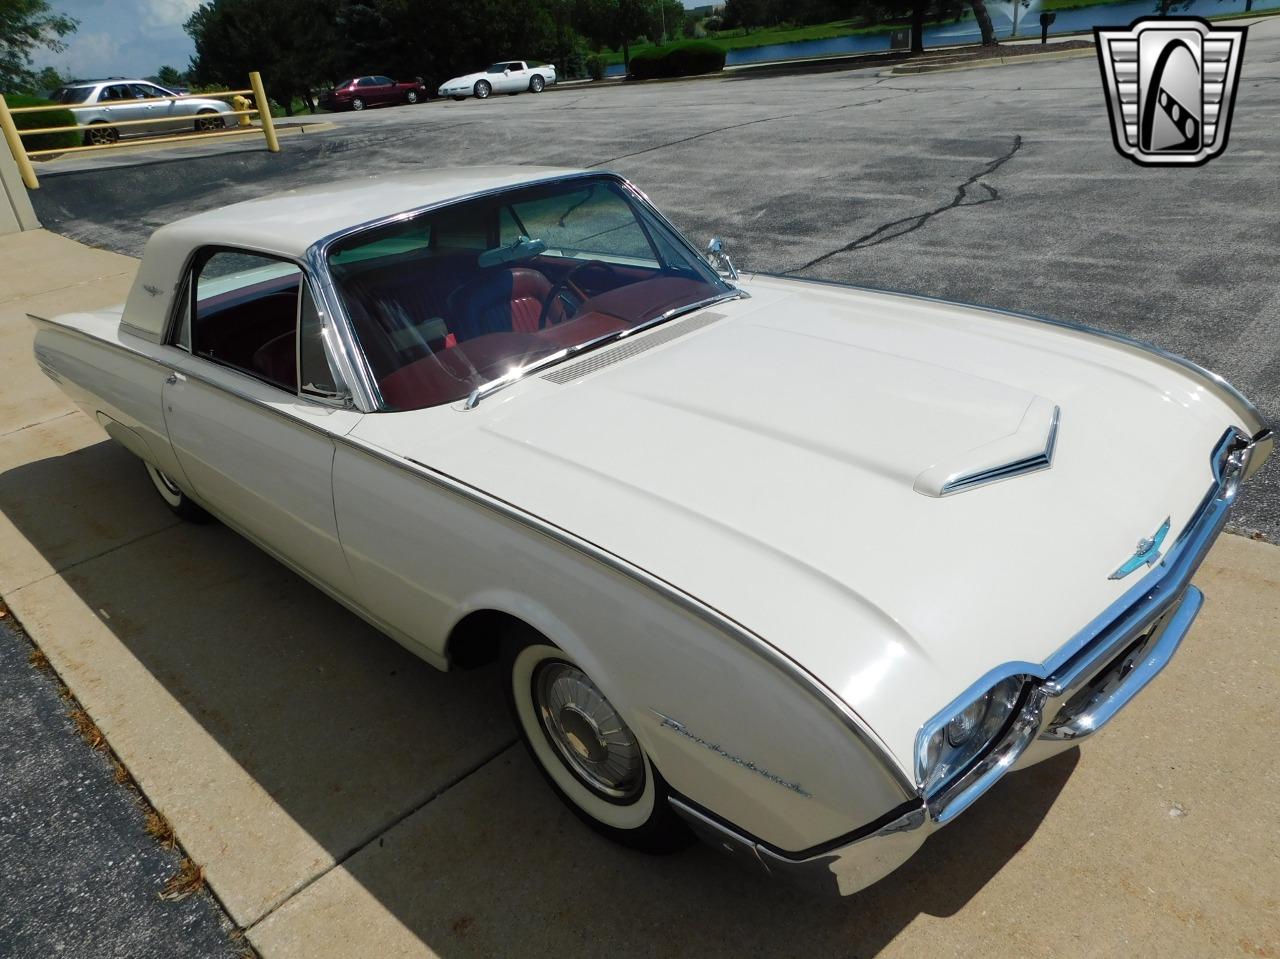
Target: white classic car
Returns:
[[505, 76], [800, 568]]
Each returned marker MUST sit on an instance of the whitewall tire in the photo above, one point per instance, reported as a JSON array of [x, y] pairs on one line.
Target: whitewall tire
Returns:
[[584, 749], [179, 502]]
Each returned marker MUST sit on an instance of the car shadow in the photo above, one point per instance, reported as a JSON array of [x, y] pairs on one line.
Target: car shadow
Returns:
[[408, 777]]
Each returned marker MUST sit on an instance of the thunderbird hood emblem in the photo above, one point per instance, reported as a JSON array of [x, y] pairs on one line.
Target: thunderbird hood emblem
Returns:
[[1146, 553]]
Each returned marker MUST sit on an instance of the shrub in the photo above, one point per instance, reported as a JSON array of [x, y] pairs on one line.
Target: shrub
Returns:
[[686, 60], [50, 118], [595, 67], [575, 64], [712, 24]]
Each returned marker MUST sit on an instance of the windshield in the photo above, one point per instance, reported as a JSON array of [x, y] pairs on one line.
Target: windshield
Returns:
[[452, 299]]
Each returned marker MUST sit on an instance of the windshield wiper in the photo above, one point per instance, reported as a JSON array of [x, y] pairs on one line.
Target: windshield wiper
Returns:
[[513, 376]]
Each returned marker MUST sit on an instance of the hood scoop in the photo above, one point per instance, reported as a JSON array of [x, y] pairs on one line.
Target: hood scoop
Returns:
[[1028, 449]]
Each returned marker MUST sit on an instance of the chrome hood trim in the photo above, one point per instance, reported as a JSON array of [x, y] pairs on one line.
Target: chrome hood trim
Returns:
[[1026, 450]]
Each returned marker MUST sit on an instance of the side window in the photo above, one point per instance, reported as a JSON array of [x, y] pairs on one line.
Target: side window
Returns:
[[114, 94], [383, 81], [318, 377], [144, 91], [246, 315]]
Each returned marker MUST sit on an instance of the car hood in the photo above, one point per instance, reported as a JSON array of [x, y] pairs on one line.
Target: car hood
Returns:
[[769, 463], [465, 79]]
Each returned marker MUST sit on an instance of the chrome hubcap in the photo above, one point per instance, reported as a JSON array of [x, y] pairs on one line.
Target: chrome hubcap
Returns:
[[587, 732]]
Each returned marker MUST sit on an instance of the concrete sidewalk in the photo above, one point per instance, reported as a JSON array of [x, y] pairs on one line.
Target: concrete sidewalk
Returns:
[[347, 800]]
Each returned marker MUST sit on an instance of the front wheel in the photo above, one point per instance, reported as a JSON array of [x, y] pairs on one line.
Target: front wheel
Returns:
[[411, 96], [585, 750], [482, 89], [179, 502], [536, 84], [357, 104]]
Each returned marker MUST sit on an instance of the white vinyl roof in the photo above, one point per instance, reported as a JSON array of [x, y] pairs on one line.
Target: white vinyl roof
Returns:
[[288, 223]]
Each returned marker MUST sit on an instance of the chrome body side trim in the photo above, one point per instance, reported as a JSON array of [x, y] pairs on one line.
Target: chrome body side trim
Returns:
[[1253, 421]]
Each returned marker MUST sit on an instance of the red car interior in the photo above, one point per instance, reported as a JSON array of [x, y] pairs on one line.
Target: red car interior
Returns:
[[492, 322]]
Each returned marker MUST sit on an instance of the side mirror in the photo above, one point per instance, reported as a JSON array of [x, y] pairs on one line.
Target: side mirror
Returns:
[[719, 259], [506, 72]]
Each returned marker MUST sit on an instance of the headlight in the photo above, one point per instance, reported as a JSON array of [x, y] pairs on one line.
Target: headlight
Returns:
[[952, 742]]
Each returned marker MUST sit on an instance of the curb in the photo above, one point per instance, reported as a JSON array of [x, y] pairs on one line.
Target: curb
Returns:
[[906, 71], [142, 146]]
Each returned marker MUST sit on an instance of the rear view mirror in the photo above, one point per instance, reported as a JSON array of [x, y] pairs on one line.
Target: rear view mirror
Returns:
[[719, 259]]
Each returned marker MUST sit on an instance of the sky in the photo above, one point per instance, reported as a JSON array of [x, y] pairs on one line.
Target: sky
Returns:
[[129, 38]]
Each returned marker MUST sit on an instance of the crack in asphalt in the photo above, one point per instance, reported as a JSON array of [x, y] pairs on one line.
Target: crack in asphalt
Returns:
[[747, 123], [696, 136], [883, 233]]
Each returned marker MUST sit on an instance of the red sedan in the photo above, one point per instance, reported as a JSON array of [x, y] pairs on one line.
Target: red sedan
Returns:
[[372, 91]]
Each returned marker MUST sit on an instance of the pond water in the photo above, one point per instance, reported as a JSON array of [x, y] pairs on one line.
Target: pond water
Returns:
[[966, 31]]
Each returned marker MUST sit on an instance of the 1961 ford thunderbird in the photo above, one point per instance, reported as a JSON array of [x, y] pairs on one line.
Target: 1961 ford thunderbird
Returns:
[[802, 569]]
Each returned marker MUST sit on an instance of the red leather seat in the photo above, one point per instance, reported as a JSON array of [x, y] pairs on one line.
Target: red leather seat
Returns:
[[498, 301]]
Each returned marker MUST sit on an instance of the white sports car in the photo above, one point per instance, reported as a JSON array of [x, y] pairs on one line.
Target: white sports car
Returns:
[[506, 76], [800, 568]]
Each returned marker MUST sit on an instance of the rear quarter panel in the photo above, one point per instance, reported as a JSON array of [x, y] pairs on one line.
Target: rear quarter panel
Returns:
[[114, 378]]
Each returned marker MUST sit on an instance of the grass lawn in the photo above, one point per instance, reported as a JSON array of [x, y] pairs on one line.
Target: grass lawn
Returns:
[[764, 36], [1047, 5]]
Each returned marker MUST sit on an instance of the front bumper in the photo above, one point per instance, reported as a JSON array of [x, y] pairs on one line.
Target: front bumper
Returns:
[[1074, 694]]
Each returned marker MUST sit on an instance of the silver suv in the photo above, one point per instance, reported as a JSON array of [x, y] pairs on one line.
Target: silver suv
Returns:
[[104, 103]]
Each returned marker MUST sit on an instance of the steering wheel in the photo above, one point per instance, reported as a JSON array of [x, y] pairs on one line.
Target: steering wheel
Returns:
[[569, 293]]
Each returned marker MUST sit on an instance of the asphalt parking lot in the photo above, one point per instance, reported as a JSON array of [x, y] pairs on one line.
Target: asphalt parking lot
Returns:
[[347, 800], [996, 186]]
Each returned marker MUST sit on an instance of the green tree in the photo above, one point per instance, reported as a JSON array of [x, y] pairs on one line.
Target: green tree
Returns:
[[48, 80], [745, 15], [25, 26], [291, 42], [614, 23], [984, 22], [170, 77]]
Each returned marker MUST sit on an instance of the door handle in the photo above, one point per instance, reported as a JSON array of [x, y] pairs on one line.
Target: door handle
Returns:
[[175, 377]]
